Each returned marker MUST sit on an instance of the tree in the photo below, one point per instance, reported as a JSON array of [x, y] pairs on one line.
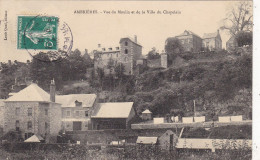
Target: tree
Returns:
[[244, 38], [153, 54], [119, 70], [173, 48], [239, 18]]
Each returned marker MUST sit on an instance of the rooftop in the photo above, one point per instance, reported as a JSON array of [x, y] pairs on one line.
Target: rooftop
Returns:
[[113, 110], [210, 35], [131, 39], [147, 111], [69, 100], [187, 32], [31, 93]]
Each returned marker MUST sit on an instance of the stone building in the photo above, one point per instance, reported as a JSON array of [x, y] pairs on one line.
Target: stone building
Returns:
[[33, 111], [212, 41], [190, 41], [231, 44], [127, 54], [76, 111], [114, 115]]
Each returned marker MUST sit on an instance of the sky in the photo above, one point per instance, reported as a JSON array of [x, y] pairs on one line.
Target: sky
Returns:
[[91, 29]]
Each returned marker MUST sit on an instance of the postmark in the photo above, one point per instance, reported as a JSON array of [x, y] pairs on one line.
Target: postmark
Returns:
[[44, 34]]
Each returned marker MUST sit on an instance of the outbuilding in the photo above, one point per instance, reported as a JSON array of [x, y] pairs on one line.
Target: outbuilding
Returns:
[[147, 115]]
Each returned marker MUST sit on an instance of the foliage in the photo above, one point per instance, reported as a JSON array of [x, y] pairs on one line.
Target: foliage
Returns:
[[173, 48], [153, 54], [244, 38]]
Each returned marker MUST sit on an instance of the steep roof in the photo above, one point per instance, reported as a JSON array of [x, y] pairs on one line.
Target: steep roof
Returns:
[[189, 33], [113, 110], [146, 140], [69, 100], [31, 93], [131, 39]]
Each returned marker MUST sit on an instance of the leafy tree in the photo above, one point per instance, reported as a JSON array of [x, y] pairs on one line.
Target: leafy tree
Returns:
[[101, 76], [173, 48], [239, 18], [244, 38], [119, 70], [153, 54]]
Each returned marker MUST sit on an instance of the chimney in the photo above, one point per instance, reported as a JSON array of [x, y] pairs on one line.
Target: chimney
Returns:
[[52, 91], [135, 39], [99, 45], [218, 31]]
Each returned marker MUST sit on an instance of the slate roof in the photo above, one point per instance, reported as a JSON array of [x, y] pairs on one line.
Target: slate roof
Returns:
[[113, 110], [146, 140], [69, 100], [31, 93]]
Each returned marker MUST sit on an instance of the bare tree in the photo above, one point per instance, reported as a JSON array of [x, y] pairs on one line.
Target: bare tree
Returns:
[[239, 18]]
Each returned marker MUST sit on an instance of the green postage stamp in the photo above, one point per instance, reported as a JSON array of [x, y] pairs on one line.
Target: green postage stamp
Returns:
[[37, 32]]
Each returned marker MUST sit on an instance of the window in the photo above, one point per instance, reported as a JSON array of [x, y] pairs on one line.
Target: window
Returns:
[[68, 113], [17, 125], [126, 43], [46, 125], [86, 113], [29, 125], [126, 51], [46, 112], [29, 111], [77, 113], [17, 111]]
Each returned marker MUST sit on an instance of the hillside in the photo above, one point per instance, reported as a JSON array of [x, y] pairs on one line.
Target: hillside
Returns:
[[220, 83]]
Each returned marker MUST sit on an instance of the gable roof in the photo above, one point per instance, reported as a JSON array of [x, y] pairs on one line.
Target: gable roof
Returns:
[[210, 35], [113, 110], [69, 100], [189, 33], [131, 39], [31, 93], [146, 140], [147, 111], [34, 138]]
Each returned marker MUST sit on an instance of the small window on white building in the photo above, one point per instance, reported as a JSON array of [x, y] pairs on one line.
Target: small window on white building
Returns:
[[46, 112], [17, 111], [68, 113], [29, 111], [29, 125], [46, 125], [126, 43], [86, 113], [77, 113]]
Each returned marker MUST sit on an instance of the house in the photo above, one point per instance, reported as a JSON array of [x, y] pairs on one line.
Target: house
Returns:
[[33, 111], [190, 41], [147, 114], [128, 53], [76, 111], [212, 41], [114, 115], [231, 44]]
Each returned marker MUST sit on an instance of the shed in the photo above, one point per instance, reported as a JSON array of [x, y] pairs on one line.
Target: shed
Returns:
[[147, 140], [147, 115], [114, 115], [168, 140]]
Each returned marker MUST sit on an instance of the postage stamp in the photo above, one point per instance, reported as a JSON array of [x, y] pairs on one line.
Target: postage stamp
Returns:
[[38, 33]]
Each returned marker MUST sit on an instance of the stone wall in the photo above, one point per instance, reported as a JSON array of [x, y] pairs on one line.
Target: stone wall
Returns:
[[55, 121]]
